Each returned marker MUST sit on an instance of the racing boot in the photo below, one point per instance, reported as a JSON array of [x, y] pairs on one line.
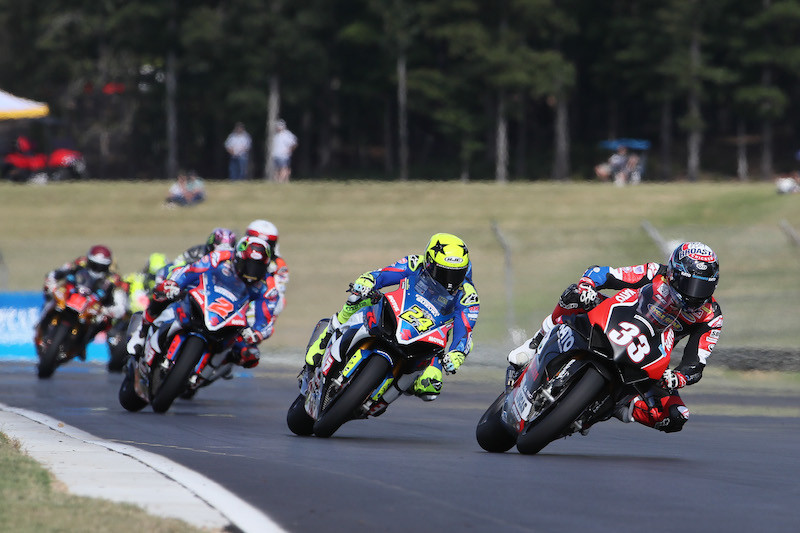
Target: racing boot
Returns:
[[428, 385], [317, 348], [519, 357], [135, 346]]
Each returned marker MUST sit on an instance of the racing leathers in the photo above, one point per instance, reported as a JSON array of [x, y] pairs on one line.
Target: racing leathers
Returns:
[[108, 287], [263, 296], [701, 327], [465, 314]]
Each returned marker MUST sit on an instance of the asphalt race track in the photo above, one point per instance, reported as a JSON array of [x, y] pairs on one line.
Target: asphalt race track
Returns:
[[419, 468]]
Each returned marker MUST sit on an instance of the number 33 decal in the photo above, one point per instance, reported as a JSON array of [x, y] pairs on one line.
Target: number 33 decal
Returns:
[[629, 335]]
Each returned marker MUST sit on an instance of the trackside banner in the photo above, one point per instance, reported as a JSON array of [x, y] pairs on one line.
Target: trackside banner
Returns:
[[19, 312]]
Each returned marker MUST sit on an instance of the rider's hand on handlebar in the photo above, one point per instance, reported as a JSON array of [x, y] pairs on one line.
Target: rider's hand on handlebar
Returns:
[[588, 293], [363, 285], [452, 360], [673, 379], [251, 336], [50, 284], [166, 291]]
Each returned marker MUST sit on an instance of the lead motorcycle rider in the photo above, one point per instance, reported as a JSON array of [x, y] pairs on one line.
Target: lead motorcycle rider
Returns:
[[446, 260], [691, 276], [249, 262]]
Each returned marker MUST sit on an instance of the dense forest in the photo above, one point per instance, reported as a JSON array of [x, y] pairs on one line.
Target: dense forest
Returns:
[[411, 89]]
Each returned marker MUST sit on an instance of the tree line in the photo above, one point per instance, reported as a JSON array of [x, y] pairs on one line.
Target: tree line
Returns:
[[410, 89]]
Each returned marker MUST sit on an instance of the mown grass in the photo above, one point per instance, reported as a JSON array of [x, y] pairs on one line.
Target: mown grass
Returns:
[[333, 231], [31, 501]]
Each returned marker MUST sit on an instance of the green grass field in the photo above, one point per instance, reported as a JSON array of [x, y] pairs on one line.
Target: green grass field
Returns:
[[333, 231]]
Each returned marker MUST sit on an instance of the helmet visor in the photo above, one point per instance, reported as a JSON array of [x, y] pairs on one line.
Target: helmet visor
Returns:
[[449, 278], [693, 291], [252, 270]]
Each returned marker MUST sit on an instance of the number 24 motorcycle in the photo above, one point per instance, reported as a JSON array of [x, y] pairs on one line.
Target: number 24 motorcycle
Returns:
[[378, 357], [584, 368], [189, 352]]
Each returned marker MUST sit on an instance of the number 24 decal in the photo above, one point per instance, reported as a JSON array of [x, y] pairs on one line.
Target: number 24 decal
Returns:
[[629, 335], [416, 318]]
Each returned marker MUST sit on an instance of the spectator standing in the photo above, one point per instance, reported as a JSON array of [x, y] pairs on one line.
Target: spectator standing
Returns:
[[283, 144], [188, 189], [238, 146]]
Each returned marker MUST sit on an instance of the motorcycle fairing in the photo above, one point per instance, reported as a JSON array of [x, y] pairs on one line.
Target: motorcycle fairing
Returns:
[[419, 318], [221, 306]]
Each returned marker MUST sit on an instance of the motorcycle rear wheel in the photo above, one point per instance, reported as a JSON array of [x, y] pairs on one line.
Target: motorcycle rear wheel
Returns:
[[176, 379], [491, 433], [355, 394], [48, 360], [298, 420], [567, 408]]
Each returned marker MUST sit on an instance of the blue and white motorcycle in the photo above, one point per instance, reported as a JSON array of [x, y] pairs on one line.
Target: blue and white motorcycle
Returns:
[[377, 356]]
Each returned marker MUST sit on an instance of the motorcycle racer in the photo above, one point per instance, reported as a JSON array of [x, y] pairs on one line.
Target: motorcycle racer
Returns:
[[141, 283], [446, 260], [218, 239], [107, 285], [690, 277], [278, 268], [249, 263]]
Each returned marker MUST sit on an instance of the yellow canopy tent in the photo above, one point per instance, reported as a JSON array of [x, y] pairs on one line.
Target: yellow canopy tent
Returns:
[[14, 107]]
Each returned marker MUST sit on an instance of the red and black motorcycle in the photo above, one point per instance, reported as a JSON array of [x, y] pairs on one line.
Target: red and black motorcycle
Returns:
[[64, 331], [585, 367]]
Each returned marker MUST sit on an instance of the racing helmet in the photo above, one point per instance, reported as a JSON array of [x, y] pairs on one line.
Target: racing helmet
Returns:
[[98, 260], [447, 260], [252, 259], [220, 239], [693, 274], [264, 229]]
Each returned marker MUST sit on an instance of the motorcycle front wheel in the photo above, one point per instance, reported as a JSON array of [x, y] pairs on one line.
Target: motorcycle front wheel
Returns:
[[48, 359], [298, 420], [566, 409], [351, 398], [127, 393], [174, 383], [491, 433]]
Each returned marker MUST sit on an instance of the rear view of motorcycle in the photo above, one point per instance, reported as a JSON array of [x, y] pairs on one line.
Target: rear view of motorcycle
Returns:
[[375, 358], [584, 369], [67, 328], [188, 345]]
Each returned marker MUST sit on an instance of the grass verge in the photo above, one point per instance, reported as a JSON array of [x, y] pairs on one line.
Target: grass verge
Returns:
[[34, 502]]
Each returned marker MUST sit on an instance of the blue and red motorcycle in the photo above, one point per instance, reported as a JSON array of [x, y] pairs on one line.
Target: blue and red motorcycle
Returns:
[[188, 345], [379, 353]]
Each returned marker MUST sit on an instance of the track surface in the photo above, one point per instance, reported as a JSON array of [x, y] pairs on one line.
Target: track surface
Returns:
[[418, 467]]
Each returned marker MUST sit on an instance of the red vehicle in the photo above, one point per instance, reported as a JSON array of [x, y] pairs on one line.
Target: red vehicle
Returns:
[[23, 164], [586, 366], [65, 329]]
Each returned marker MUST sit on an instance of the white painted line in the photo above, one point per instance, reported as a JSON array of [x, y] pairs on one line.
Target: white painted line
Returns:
[[99, 468]]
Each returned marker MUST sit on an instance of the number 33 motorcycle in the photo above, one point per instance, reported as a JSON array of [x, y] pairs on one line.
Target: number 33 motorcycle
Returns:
[[584, 368]]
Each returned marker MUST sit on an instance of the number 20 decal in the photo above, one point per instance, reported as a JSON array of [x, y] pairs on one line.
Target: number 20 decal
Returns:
[[629, 335]]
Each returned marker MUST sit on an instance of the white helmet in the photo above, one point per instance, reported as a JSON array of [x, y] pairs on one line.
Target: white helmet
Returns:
[[264, 229]]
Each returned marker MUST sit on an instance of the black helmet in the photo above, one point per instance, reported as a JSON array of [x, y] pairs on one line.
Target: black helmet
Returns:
[[693, 273], [252, 259]]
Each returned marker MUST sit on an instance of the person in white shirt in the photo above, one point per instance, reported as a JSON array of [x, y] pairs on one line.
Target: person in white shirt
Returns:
[[238, 146], [283, 144]]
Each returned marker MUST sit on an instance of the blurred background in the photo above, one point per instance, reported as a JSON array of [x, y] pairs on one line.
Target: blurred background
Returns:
[[404, 89]]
